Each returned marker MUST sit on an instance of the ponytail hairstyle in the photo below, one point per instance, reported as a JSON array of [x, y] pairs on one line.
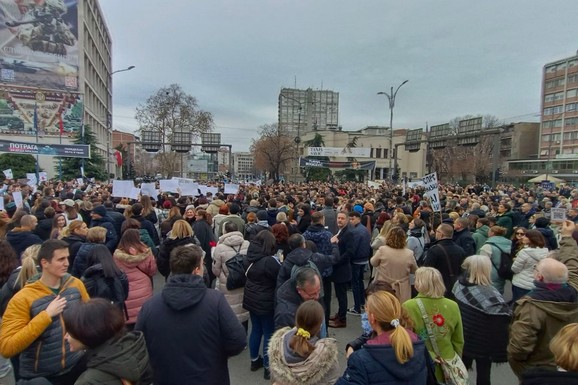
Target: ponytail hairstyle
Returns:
[[29, 263], [308, 321], [387, 311]]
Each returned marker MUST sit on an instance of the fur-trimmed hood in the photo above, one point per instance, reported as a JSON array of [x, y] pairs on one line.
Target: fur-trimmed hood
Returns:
[[131, 259], [321, 367]]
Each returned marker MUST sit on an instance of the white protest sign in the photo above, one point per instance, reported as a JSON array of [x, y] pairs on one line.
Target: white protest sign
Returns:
[[557, 215], [432, 191], [149, 189], [167, 185], [372, 184], [1, 204], [231, 188], [189, 189], [212, 190], [80, 181], [8, 174], [43, 176], [134, 193], [122, 188], [202, 189], [17, 195], [31, 178], [82, 170]]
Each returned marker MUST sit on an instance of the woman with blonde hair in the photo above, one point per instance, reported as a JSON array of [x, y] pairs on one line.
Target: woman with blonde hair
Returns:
[[137, 261], [297, 356], [380, 239], [564, 346], [443, 316], [484, 313], [75, 235], [387, 357], [95, 236], [181, 234], [394, 262]]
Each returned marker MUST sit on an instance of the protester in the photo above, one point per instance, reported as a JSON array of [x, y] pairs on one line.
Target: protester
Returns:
[[496, 245], [298, 356], [112, 355], [525, 262]]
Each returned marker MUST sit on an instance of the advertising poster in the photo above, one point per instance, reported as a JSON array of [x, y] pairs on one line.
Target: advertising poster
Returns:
[[55, 111], [308, 162], [39, 44], [66, 150]]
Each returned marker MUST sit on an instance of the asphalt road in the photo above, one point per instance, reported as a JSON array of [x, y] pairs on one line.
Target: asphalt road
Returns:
[[241, 375]]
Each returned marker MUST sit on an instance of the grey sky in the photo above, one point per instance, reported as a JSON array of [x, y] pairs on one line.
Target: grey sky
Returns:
[[461, 57]]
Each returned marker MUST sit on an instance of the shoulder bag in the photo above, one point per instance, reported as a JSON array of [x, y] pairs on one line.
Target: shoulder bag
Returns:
[[455, 372]]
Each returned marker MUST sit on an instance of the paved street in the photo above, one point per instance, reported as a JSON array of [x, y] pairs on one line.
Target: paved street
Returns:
[[241, 375]]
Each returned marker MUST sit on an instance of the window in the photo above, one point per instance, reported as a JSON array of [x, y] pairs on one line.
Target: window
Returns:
[[378, 152], [572, 63], [551, 69], [570, 107], [572, 93], [573, 78]]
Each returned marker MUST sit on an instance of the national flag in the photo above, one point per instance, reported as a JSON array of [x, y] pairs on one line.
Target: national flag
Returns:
[[36, 117], [118, 156], [61, 124]]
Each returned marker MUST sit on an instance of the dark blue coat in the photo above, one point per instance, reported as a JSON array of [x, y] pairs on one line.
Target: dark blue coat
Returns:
[[342, 269], [190, 333], [377, 365], [362, 243], [111, 235]]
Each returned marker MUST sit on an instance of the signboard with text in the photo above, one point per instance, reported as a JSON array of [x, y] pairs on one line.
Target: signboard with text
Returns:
[[65, 150]]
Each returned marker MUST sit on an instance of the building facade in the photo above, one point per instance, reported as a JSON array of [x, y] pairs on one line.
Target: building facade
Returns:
[[51, 85], [376, 138], [244, 166], [304, 111]]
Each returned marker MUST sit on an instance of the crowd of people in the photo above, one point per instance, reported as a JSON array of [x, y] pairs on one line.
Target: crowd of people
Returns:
[[429, 289]]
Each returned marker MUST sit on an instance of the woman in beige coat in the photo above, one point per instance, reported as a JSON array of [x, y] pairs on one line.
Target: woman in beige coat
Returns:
[[394, 262], [229, 244]]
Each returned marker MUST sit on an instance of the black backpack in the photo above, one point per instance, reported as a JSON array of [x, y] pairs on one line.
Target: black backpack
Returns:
[[114, 289], [236, 267], [504, 269]]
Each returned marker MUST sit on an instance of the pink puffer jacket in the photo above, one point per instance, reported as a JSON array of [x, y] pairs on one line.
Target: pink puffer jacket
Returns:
[[139, 269]]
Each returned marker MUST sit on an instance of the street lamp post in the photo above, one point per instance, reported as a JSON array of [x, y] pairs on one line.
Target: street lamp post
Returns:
[[108, 133], [391, 98]]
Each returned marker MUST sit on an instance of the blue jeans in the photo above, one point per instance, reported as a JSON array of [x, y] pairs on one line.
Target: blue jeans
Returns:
[[262, 326], [357, 286]]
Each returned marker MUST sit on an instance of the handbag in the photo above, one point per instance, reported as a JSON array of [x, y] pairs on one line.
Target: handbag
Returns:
[[455, 372]]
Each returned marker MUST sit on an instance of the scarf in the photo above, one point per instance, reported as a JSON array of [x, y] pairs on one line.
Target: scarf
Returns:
[[484, 298]]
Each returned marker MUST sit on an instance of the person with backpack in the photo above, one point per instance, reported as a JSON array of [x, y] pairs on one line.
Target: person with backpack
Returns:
[[103, 279], [496, 245], [230, 244]]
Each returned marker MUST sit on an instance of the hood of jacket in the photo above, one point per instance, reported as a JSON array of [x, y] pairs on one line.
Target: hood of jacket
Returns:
[[307, 371], [183, 291], [384, 355], [174, 242], [131, 259], [232, 239], [254, 252], [74, 238], [501, 243], [125, 357], [536, 253], [562, 311], [316, 228], [299, 256], [483, 231]]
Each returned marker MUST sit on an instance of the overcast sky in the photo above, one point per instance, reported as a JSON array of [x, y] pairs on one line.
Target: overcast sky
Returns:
[[461, 57]]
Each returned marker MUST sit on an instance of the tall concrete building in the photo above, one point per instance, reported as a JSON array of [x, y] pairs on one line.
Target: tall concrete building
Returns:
[[55, 74], [304, 111], [95, 75]]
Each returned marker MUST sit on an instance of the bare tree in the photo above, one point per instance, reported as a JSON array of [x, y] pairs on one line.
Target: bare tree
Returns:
[[464, 162], [168, 111], [273, 151]]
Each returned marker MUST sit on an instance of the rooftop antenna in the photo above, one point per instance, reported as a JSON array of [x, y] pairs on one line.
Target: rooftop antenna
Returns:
[[295, 85]]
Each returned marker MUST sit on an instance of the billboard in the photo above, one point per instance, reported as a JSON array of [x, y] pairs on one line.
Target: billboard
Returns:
[[349, 152], [66, 150], [39, 44], [308, 162], [17, 105]]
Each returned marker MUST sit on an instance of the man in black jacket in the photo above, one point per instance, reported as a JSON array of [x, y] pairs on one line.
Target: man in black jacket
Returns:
[[190, 330], [116, 217], [306, 285], [341, 272], [446, 256], [100, 218], [463, 237]]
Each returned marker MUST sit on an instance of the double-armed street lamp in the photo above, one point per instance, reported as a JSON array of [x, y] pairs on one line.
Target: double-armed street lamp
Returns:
[[391, 98]]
